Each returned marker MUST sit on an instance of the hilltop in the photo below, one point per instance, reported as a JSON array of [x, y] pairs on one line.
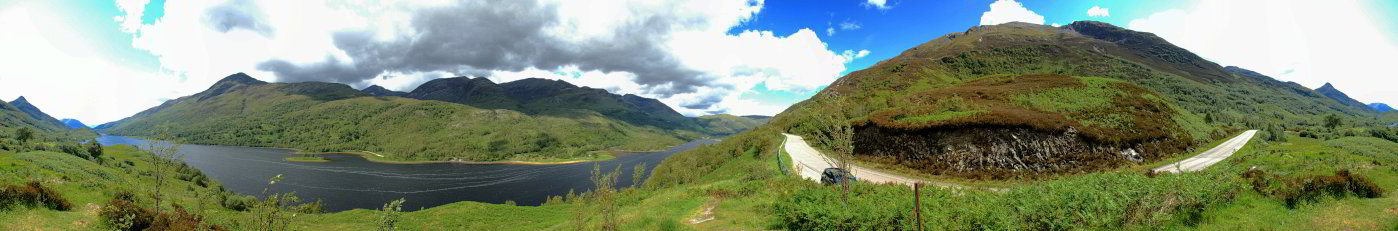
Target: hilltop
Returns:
[[1339, 96]]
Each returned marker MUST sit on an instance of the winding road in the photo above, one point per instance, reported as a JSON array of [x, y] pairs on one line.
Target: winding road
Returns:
[[809, 162], [1210, 157]]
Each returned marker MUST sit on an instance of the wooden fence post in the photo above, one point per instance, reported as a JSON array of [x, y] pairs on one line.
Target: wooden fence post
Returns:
[[917, 203]]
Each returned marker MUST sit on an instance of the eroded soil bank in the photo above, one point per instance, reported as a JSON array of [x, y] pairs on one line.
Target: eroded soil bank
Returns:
[[998, 152]]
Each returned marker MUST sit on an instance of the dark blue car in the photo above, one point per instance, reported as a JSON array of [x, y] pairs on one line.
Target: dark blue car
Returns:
[[836, 176]]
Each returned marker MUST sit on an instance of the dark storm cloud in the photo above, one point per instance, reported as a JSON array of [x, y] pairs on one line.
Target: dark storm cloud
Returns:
[[508, 35], [238, 14]]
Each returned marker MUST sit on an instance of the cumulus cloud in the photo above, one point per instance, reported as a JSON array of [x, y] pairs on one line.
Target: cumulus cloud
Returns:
[[1307, 42], [1003, 11], [1098, 11], [851, 55], [877, 4], [680, 51]]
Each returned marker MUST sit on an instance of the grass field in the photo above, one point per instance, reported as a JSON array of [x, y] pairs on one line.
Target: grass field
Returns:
[[744, 190]]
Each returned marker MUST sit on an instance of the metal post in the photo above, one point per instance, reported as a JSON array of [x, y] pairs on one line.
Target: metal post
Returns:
[[917, 204]]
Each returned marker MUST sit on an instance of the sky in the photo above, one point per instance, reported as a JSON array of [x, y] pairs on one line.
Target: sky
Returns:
[[100, 61]]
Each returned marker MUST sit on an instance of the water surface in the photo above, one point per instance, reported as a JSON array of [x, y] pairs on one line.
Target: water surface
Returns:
[[350, 182]]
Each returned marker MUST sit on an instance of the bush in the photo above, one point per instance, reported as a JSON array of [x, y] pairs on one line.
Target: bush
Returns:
[[33, 194], [1295, 191], [236, 202], [125, 215], [122, 214], [74, 149], [1105, 201]]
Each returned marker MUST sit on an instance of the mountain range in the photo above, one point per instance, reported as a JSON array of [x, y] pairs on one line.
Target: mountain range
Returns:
[[20, 113], [459, 118]]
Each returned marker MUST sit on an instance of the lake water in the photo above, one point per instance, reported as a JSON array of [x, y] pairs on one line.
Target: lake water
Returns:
[[351, 182]]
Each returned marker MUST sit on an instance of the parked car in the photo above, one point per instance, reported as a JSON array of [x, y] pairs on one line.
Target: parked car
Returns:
[[836, 176]]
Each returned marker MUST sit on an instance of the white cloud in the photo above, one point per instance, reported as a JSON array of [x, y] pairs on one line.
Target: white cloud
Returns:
[[1056, 25], [1003, 11], [1309, 42], [829, 31], [194, 50], [877, 4], [195, 53], [55, 70], [1098, 11], [848, 25], [851, 55]]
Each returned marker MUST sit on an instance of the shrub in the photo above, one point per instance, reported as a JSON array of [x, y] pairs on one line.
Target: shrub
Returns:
[[122, 214], [236, 202], [74, 149], [1295, 191], [33, 194], [125, 215]]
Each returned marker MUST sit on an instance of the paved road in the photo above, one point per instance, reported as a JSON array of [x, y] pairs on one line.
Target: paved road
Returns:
[[1204, 160], [810, 163]]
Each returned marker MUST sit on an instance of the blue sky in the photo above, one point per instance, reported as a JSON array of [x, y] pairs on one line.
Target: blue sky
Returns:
[[115, 58]]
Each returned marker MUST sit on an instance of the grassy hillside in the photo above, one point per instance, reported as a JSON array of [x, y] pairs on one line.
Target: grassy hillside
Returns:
[[41, 134], [1197, 100], [726, 124], [737, 184], [334, 117]]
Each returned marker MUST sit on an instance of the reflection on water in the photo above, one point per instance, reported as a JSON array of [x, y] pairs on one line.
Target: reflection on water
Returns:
[[350, 182]]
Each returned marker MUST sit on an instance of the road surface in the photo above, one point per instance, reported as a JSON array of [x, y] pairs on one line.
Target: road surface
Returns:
[[810, 163], [1204, 160]]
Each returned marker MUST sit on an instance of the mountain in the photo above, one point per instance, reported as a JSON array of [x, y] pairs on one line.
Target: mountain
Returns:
[[477, 92], [22, 114], [23, 105], [553, 97], [730, 124], [314, 116], [376, 90], [73, 123], [1380, 107], [1335, 94], [1020, 100]]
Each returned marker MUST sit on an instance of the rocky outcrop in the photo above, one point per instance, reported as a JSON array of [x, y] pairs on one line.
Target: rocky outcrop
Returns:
[[991, 152]]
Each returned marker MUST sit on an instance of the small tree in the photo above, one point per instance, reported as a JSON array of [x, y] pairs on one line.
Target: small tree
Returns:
[[389, 215], [637, 174], [1333, 121], [94, 149], [603, 197], [835, 133], [24, 134], [163, 166], [274, 213]]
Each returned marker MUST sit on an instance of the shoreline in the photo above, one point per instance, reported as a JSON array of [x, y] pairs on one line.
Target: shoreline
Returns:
[[378, 158]]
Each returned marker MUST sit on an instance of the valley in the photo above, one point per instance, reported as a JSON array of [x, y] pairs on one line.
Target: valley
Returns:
[[523, 115]]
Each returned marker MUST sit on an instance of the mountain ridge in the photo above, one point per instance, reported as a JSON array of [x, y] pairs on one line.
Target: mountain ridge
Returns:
[[1331, 92], [316, 116]]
